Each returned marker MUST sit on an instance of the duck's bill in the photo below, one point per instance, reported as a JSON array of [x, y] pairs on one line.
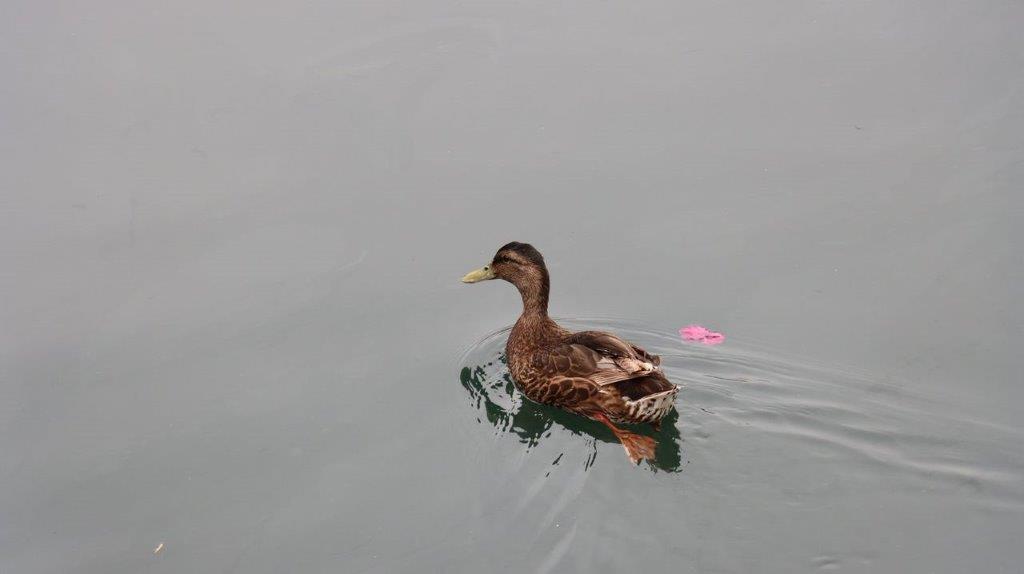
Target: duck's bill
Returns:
[[482, 274]]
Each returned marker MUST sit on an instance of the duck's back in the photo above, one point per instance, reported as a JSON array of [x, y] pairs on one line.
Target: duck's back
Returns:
[[587, 371]]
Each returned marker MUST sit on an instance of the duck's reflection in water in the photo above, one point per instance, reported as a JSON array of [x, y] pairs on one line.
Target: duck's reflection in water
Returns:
[[504, 407]]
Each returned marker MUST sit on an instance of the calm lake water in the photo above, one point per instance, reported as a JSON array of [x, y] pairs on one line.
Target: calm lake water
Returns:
[[233, 336]]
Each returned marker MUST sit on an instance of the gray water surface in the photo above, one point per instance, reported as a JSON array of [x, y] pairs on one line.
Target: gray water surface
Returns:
[[231, 322]]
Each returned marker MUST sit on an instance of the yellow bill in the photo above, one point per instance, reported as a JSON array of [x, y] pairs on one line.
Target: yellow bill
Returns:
[[482, 274]]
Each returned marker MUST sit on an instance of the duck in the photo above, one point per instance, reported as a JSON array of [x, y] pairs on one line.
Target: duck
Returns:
[[593, 374]]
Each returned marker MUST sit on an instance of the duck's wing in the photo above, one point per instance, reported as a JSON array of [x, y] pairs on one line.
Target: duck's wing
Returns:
[[626, 355], [593, 365], [598, 357]]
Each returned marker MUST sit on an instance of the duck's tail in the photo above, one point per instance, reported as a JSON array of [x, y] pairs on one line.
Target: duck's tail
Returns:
[[651, 408]]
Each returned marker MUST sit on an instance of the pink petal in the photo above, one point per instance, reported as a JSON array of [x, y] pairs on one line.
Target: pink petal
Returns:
[[714, 338], [701, 334], [694, 333]]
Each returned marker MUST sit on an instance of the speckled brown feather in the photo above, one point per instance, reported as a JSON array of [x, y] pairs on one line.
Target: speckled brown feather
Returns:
[[586, 372], [591, 373], [559, 368]]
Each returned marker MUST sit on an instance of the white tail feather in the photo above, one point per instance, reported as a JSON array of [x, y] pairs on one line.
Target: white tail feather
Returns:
[[652, 407]]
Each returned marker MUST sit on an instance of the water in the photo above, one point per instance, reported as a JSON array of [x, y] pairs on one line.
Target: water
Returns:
[[231, 320], [808, 467]]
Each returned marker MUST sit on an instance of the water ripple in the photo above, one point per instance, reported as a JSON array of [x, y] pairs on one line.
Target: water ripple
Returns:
[[732, 392]]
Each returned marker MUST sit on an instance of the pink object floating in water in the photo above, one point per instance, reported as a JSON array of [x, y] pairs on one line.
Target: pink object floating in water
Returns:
[[701, 335], [694, 333]]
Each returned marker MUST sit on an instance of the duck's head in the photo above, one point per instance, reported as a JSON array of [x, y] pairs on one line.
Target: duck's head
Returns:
[[521, 265], [512, 262]]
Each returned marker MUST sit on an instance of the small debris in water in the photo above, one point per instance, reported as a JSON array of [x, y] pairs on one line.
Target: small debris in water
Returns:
[[158, 548], [701, 335]]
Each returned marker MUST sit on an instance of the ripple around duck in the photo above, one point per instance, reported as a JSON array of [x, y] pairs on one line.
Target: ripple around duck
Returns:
[[845, 414]]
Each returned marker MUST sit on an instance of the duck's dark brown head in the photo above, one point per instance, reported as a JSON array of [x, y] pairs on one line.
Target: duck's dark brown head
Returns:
[[523, 266]]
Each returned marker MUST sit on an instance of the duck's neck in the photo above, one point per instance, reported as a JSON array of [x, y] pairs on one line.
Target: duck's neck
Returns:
[[534, 288]]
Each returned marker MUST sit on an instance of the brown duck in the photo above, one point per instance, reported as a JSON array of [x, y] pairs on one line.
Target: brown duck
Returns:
[[590, 373]]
